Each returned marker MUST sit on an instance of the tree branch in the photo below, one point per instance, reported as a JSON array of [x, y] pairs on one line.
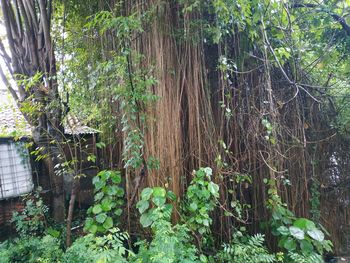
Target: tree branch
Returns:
[[342, 22], [337, 18], [8, 85]]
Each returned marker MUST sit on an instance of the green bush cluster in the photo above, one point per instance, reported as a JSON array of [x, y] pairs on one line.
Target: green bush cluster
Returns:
[[299, 239], [103, 215]]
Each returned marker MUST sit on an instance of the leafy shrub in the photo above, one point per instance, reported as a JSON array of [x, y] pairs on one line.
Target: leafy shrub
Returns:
[[153, 206], [244, 248], [106, 210], [169, 243], [30, 250], [106, 248], [31, 221], [201, 199], [299, 237], [301, 258]]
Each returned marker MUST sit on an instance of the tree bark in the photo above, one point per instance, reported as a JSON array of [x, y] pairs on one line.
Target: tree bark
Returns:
[[27, 24], [74, 191]]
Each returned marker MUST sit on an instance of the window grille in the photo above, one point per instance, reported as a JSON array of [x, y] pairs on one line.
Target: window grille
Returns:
[[15, 170]]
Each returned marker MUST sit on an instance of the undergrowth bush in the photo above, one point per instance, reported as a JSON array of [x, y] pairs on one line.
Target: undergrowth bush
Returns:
[[169, 243], [299, 238], [188, 241], [107, 248], [31, 250], [104, 214], [244, 248], [32, 219]]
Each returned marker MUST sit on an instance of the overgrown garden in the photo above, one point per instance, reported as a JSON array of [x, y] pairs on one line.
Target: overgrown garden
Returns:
[[222, 128]]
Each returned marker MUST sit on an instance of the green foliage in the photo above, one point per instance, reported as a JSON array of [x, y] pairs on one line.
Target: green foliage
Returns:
[[269, 131], [201, 199], [91, 70], [31, 250], [103, 215], [297, 236], [315, 201], [32, 220], [102, 249], [173, 243], [169, 244], [244, 248], [153, 206], [124, 26]]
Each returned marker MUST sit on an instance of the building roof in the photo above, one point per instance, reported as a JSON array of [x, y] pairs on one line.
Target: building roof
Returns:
[[13, 123], [73, 126]]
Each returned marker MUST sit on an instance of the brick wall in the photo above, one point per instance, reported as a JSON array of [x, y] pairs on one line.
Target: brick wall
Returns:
[[7, 207]]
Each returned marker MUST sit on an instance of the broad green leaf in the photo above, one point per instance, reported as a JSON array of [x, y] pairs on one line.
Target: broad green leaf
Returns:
[[284, 231], [146, 220], [88, 222], [316, 235], [158, 200], [105, 175], [106, 205], [159, 191], [97, 209], [120, 192], [100, 218], [200, 173], [208, 171], [213, 188], [205, 222], [108, 223], [203, 258], [116, 177], [93, 229], [290, 244], [118, 212], [142, 206], [304, 224], [146, 193], [297, 232], [99, 196], [112, 190], [168, 208], [193, 207], [53, 232], [95, 179], [306, 246], [99, 184]]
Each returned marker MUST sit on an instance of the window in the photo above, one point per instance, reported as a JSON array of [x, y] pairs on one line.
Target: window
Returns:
[[15, 170]]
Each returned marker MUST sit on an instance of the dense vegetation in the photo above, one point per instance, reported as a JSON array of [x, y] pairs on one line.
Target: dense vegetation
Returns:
[[256, 90]]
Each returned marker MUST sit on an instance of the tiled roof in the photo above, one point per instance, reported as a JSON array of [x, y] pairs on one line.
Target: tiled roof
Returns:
[[12, 121]]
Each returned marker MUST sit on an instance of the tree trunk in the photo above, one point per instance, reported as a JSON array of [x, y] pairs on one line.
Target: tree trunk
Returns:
[[74, 191], [27, 24]]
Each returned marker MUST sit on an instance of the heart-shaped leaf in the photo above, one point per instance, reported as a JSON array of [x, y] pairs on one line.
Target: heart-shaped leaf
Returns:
[[142, 206], [316, 235], [297, 232]]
